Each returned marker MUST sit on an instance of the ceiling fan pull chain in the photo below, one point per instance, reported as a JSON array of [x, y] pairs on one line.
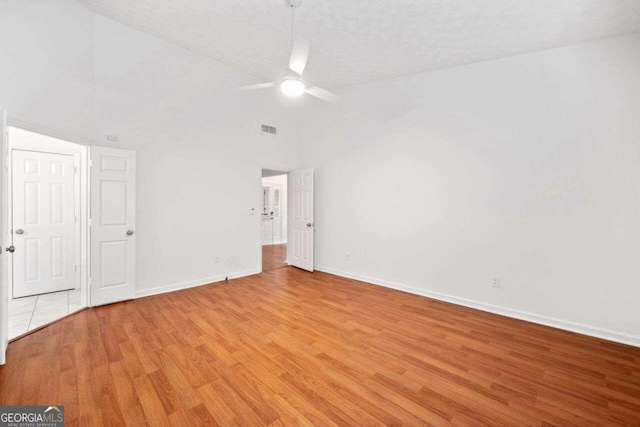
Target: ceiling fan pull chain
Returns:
[[293, 11]]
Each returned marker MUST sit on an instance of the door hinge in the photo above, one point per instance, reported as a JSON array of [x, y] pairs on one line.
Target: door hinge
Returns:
[[75, 268], [89, 281], [75, 170]]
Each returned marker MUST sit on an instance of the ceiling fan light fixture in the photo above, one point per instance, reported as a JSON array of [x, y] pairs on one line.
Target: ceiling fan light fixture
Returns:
[[292, 87]]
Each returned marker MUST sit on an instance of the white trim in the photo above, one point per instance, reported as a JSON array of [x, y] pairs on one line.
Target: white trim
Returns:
[[193, 283], [553, 322], [4, 238], [85, 191]]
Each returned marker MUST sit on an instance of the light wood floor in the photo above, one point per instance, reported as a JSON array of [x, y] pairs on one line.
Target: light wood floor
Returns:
[[274, 256], [289, 347]]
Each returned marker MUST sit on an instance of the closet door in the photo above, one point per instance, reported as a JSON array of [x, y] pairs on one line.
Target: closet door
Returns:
[[44, 229], [113, 225]]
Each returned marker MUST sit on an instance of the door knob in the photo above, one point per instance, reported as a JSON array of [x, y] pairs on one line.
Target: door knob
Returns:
[[19, 231], [129, 232], [11, 249]]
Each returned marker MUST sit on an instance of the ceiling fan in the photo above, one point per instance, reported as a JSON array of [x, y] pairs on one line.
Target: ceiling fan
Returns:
[[291, 84]]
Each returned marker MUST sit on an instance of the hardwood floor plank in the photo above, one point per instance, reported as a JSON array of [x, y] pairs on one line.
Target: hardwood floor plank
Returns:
[[124, 387], [152, 407], [289, 416], [245, 415], [215, 405]]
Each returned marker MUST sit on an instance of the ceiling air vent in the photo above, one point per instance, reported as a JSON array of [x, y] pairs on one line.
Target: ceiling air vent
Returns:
[[268, 129]]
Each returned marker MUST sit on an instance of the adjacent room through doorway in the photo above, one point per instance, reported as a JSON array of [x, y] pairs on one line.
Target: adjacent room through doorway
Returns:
[[273, 212]]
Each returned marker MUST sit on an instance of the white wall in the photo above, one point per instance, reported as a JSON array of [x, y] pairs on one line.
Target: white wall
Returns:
[[199, 146], [526, 167], [46, 66]]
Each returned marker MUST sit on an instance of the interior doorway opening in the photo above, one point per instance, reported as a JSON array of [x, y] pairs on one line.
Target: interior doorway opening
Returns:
[[61, 203], [273, 216], [46, 229]]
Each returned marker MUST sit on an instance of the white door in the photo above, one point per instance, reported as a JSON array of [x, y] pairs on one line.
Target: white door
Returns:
[[113, 219], [267, 230], [277, 213], [43, 222], [300, 246], [4, 239], [267, 216]]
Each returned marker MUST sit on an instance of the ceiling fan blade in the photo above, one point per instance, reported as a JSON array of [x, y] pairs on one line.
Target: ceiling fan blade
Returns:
[[325, 95], [299, 55], [258, 86]]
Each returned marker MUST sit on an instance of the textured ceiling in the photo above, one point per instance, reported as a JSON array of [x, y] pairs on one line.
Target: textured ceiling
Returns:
[[359, 41]]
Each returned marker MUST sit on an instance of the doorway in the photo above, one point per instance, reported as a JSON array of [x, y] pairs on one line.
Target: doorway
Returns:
[[46, 183], [273, 215], [83, 254]]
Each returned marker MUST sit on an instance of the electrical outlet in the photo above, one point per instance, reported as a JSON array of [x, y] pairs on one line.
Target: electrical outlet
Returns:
[[495, 281], [347, 257]]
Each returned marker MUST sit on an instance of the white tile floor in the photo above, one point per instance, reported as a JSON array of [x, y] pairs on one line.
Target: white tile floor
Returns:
[[29, 313]]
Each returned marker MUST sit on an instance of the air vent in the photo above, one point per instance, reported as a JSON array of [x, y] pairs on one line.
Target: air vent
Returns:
[[269, 129]]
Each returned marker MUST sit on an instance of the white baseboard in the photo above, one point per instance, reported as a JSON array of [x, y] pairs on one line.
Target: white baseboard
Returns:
[[192, 283], [566, 325]]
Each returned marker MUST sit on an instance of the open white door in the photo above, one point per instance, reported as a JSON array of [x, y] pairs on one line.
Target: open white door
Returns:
[[300, 246], [113, 218], [4, 239], [43, 222]]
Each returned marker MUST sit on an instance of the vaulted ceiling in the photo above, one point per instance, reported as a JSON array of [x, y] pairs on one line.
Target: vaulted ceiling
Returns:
[[359, 41]]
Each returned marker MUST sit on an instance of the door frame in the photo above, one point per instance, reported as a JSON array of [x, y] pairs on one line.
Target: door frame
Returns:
[[258, 211], [79, 152]]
